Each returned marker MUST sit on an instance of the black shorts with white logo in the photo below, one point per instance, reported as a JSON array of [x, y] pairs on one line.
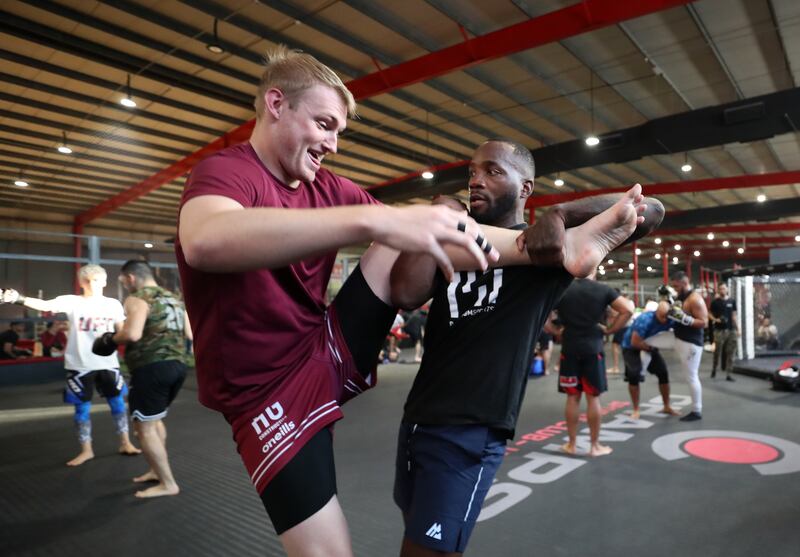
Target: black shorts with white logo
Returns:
[[153, 388], [80, 386], [585, 373]]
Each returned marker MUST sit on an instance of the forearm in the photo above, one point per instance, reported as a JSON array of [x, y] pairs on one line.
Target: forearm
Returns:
[[504, 241], [246, 239], [619, 322], [575, 213]]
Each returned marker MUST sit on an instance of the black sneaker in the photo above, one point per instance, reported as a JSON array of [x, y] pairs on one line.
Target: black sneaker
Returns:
[[713, 373], [692, 417], [729, 378]]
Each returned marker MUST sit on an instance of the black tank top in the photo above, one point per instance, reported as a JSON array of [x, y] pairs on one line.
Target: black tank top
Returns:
[[687, 333]]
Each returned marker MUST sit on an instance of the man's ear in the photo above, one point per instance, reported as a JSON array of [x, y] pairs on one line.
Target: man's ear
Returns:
[[527, 189], [274, 102]]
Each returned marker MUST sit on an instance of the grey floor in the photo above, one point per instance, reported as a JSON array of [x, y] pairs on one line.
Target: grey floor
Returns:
[[631, 502]]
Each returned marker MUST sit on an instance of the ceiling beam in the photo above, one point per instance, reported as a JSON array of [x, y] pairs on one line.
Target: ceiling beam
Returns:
[[668, 188], [733, 229]]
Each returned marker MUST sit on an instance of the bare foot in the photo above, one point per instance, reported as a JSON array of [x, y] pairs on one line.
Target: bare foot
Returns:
[[568, 448], [586, 246], [600, 450], [129, 450], [159, 490], [669, 411], [81, 458], [635, 414], [148, 476]]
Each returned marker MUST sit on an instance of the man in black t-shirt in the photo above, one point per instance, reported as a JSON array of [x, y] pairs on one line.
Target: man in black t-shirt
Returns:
[[479, 339], [726, 331], [8, 341], [582, 313]]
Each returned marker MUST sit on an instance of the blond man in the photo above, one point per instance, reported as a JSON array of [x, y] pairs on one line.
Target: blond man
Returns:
[[90, 315]]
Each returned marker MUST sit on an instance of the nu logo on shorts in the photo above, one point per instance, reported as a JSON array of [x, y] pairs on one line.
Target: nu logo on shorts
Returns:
[[261, 423], [435, 531]]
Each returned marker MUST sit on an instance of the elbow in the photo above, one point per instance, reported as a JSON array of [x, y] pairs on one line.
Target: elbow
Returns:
[[200, 253]]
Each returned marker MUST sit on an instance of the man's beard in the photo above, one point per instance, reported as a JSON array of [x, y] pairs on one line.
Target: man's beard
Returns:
[[497, 211]]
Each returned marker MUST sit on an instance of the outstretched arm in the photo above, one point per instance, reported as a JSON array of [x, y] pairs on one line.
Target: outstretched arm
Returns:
[[218, 234], [11, 296]]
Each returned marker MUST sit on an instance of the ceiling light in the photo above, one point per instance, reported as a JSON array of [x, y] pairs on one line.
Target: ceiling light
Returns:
[[215, 46], [602, 271], [127, 100], [610, 262], [657, 256], [148, 245], [649, 268], [761, 198], [630, 266], [725, 243], [797, 238], [620, 270], [592, 140], [686, 166], [558, 182], [710, 236], [601, 267], [675, 260], [21, 183], [677, 247], [637, 251], [740, 251], [696, 253], [657, 241], [63, 147], [428, 175]]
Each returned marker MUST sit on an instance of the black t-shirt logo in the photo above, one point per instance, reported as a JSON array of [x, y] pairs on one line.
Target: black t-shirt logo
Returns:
[[472, 294]]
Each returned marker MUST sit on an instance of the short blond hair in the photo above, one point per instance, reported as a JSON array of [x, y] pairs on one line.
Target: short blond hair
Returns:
[[294, 71], [91, 270]]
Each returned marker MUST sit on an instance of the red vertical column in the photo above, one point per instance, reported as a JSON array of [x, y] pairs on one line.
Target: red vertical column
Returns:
[[716, 278], [665, 265]]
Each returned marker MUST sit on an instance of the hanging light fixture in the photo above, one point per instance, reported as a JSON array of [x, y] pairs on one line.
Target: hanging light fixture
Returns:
[[710, 236], [686, 166], [63, 148], [127, 100], [761, 198], [428, 173], [558, 182], [215, 46]]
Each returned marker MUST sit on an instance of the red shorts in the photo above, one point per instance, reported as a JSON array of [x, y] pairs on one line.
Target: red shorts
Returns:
[[304, 402]]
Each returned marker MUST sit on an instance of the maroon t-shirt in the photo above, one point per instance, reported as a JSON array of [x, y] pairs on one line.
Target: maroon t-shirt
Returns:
[[249, 326]]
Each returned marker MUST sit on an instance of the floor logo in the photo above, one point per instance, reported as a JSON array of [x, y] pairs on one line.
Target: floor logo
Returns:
[[766, 454]]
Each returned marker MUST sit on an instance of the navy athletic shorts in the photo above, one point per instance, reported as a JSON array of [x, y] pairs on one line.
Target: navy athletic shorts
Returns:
[[442, 476]]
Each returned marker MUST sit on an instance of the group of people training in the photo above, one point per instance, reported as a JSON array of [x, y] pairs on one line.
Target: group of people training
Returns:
[[152, 325], [258, 229], [259, 226]]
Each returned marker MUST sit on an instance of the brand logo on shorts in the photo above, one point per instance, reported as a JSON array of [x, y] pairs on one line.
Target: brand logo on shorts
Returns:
[[270, 414], [435, 531], [567, 381]]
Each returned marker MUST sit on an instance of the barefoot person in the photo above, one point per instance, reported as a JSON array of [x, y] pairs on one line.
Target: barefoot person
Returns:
[[464, 403], [638, 355], [582, 368], [90, 316], [154, 335], [258, 231]]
